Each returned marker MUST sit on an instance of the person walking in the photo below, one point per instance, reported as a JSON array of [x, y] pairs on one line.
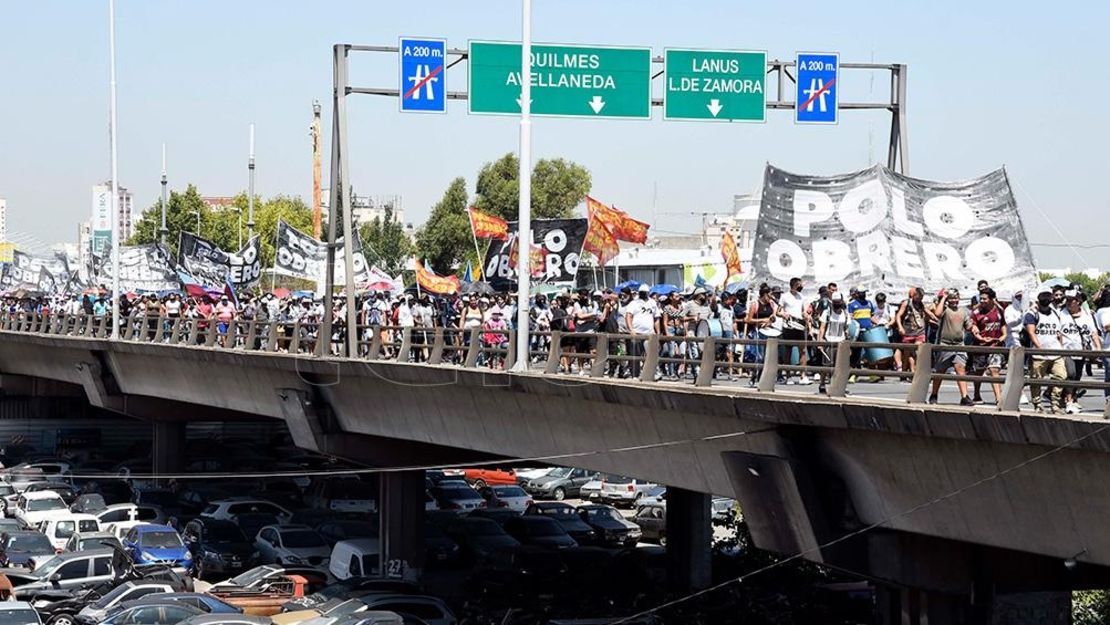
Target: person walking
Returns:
[[1044, 327], [953, 323]]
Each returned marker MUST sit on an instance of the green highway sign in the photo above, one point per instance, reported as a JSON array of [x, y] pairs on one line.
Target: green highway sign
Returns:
[[723, 85], [581, 81]]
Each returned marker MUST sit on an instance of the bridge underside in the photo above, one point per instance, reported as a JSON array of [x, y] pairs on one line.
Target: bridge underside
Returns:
[[961, 499]]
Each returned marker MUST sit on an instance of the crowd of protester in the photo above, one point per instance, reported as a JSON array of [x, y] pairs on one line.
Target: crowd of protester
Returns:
[[1059, 317]]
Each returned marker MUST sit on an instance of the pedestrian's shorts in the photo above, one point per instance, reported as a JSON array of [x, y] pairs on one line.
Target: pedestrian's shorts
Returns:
[[945, 360]]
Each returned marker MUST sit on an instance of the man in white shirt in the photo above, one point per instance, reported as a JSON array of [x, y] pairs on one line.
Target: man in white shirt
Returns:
[[1044, 326], [639, 316], [792, 309]]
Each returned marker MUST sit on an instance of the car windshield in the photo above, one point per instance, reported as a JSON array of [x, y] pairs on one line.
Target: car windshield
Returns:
[[42, 505], [111, 597], [97, 543], [30, 543], [225, 533], [301, 539], [548, 528], [618, 480], [252, 576], [602, 513], [460, 493], [565, 512], [509, 491], [160, 540], [559, 472], [18, 616]]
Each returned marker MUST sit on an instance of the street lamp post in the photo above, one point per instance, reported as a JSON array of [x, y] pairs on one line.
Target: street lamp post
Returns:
[[240, 211], [197, 213], [163, 230]]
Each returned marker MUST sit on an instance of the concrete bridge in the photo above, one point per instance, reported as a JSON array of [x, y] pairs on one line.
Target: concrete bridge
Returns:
[[954, 508]]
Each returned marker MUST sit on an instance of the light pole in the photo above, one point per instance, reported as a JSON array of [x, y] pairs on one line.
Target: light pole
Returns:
[[240, 211], [197, 213], [115, 169], [524, 174], [163, 230], [250, 195]]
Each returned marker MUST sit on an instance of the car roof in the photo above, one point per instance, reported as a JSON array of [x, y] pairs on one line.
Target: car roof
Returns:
[[119, 506], [66, 555], [360, 543], [41, 494], [152, 527], [552, 504], [90, 535], [18, 605]]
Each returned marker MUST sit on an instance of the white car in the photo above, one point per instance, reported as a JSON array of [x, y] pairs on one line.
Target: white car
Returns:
[[59, 529], [624, 490], [292, 544], [123, 512], [523, 475], [33, 508], [512, 497], [228, 509]]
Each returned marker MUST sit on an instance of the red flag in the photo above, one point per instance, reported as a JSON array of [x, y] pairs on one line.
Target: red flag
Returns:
[[537, 258], [620, 223], [432, 283], [731, 255], [487, 226], [599, 238]]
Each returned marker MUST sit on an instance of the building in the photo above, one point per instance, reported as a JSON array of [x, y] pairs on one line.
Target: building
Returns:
[[101, 222], [3, 219], [741, 223], [84, 246], [367, 208], [218, 203]]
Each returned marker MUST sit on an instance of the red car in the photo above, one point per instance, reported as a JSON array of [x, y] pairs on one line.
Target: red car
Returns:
[[479, 478]]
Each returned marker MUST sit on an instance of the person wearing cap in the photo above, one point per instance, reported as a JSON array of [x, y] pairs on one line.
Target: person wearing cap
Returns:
[[833, 328], [1080, 334], [640, 316], [861, 310], [1044, 329]]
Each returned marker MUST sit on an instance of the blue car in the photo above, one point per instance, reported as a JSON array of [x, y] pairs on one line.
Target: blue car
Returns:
[[157, 544]]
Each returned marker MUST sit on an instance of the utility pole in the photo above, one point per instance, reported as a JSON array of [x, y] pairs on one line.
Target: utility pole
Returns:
[[163, 230], [317, 155], [250, 196]]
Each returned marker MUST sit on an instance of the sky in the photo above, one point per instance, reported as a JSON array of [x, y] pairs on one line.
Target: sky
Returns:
[[990, 84]]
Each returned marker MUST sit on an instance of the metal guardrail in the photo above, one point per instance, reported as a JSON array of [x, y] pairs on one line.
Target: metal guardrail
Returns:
[[594, 355]]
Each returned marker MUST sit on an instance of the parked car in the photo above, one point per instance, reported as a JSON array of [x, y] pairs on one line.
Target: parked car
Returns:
[[656, 494], [724, 509], [128, 513], [559, 484], [355, 557], [375, 617], [8, 497], [24, 545], [511, 497], [18, 613], [151, 614], [63, 490], [157, 544], [228, 508], [88, 503], [478, 538], [343, 529], [344, 494], [218, 547], [483, 476], [539, 531], [523, 475], [292, 544], [567, 517], [497, 515], [202, 601], [226, 619], [652, 519], [113, 491], [31, 508], [264, 589], [164, 499], [66, 570], [253, 522], [12, 525], [459, 499], [591, 491], [413, 608], [59, 529], [624, 491], [353, 587], [613, 529], [97, 610], [85, 541]]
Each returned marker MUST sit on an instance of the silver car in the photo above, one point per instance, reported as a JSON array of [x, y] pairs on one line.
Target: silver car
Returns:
[[624, 491], [292, 544], [66, 570]]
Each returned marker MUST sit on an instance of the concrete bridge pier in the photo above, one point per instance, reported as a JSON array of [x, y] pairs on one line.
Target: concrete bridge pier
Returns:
[[401, 524], [689, 539]]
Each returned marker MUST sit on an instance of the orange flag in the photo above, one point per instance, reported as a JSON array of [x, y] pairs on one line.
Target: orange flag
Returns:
[[432, 283], [731, 255], [537, 258], [599, 239], [623, 226], [487, 226]]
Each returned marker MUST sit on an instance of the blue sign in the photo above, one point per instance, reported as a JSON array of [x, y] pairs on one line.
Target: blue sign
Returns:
[[817, 100], [423, 75]]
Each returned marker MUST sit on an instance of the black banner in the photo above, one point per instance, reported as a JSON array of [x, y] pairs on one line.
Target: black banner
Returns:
[[299, 255], [887, 232], [143, 268], [213, 266], [562, 242]]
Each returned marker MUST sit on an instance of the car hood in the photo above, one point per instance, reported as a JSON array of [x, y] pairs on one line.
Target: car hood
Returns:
[[164, 553], [613, 524], [546, 480], [18, 576]]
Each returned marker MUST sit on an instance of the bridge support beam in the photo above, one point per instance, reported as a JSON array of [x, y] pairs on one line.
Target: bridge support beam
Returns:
[[169, 446], [689, 539], [401, 524]]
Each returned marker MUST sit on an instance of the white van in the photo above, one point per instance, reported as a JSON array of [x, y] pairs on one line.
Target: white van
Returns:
[[356, 557], [59, 529]]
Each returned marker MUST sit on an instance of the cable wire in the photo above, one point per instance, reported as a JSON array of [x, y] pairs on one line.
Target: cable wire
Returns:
[[865, 529]]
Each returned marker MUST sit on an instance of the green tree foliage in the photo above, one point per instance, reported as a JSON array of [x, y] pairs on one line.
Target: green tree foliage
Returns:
[[385, 243], [181, 217], [1090, 607], [1090, 285], [558, 186], [445, 238]]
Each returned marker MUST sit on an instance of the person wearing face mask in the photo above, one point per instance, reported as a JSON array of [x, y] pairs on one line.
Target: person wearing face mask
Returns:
[[1080, 334], [639, 315], [1044, 328], [761, 317], [954, 322], [833, 327], [792, 309]]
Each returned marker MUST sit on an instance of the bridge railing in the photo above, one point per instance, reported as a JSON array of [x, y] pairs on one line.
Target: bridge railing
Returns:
[[701, 361]]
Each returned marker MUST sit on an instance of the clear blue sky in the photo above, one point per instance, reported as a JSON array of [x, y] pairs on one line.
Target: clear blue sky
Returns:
[[1019, 84]]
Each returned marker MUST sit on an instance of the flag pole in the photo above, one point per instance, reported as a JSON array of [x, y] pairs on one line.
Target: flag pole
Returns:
[[474, 236]]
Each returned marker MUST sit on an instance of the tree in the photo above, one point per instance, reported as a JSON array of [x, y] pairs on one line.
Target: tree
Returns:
[[445, 238], [181, 209], [291, 210], [385, 243], [558, 186]]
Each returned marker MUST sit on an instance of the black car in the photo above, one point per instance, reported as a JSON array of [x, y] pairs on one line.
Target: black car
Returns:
[[567, 517], [88, 503], [539, 531], [22, 546], [113, 491], [478, 538], [612, 528], [218, 547], [438, 547], [352, 588], [498, 515], [63, 490]]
